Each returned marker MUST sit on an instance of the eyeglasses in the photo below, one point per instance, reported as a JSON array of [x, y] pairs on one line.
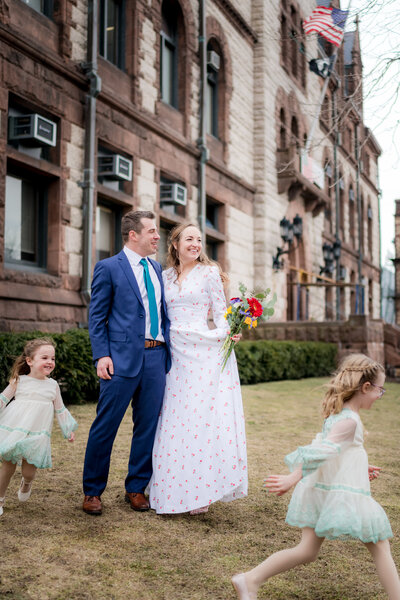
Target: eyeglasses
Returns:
[[382, 389]]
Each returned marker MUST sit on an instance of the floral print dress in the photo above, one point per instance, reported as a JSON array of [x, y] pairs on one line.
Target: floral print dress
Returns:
[[199, 453]]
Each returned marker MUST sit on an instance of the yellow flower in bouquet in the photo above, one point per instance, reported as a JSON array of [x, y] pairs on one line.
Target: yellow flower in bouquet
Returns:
[[243, 310]]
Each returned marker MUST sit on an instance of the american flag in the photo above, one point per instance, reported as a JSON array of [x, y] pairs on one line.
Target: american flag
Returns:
[[328, 22]]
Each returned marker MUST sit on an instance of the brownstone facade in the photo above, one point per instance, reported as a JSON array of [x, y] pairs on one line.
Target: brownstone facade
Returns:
[[143, 88]]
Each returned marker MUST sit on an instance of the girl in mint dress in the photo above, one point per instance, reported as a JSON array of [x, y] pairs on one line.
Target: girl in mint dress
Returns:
[[26, 422], [332, 497]]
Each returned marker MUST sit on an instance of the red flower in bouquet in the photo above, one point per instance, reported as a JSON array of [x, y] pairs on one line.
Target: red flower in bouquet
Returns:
[[256, 309], [245, 310]]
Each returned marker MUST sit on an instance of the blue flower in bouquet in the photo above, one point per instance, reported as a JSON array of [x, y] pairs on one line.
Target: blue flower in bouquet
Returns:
[[245, 310]]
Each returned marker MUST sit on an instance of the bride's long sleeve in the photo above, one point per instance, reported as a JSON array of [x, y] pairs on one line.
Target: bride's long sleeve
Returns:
[[311, 457], [217, 300], [65, 420]]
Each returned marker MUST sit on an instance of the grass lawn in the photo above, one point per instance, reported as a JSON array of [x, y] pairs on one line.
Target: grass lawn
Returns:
[[51, 550]]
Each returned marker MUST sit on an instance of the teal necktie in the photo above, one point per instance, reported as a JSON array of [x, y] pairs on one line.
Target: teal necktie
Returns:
[[152, 299]]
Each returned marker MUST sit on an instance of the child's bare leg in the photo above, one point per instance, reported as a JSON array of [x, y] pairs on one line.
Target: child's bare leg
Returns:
[[306, 551], [386, 568], [28, 472], [7, 470]]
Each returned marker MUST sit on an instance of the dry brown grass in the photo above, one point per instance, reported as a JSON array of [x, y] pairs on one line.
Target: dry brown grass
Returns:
[[51, 550]]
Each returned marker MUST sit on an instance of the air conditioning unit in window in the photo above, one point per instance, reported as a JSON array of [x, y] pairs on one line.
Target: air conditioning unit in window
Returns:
[[115, 166], [213, 60], [351, 195], [33, 130], [173, 193]]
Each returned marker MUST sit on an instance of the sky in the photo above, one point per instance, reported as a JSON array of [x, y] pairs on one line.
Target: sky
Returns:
[[380, 42]]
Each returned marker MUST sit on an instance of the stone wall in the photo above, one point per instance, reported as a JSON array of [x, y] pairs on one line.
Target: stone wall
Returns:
[[358, 334]]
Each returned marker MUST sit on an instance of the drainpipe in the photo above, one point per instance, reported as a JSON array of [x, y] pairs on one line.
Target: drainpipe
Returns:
[[360, 224], [202, 141], [88, 183], [337, 197]]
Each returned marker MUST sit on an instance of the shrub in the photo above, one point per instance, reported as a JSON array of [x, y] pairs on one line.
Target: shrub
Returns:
[[258, 361], [266, 360], [74, 370]]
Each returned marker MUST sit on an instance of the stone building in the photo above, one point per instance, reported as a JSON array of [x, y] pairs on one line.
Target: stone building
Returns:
[[100, 113]]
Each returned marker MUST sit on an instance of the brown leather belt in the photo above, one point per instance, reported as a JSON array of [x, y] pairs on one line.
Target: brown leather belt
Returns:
[[152, 343]]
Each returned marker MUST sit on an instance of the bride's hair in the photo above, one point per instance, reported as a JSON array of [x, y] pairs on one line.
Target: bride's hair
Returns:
[[173, 253], [353, 372]]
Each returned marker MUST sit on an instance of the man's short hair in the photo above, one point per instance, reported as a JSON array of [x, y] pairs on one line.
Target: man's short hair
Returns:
[[132, 221]]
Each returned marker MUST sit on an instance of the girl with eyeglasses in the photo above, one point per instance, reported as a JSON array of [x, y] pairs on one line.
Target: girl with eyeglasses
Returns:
[[332, 497]]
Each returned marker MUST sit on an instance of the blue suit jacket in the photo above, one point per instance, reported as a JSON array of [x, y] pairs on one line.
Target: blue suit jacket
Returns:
[[117, 315]]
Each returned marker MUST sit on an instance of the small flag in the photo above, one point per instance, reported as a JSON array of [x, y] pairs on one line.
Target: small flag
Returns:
[[320, 66], [328, 22]]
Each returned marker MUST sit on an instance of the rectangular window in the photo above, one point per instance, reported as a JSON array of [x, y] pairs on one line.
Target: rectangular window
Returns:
[[25, 222], [108, 235], [45, 7], [164, 231], [111, 31], [212, 104]]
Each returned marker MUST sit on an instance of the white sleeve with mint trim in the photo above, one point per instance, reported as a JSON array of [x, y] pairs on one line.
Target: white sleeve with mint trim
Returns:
[[65, 420]]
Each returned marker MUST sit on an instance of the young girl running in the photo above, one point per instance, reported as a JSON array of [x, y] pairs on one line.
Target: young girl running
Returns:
[[332, 498], [26, 422]]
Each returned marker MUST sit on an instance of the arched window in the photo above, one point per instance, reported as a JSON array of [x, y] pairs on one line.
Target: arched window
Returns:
[[370, 220], [284, 39], [282, 129], [342, 232], [214, 60], [352, 212], [294, 130], [329, 191], [169, 54], [370, 298], [361, 241], [293, 41], [293, 50]]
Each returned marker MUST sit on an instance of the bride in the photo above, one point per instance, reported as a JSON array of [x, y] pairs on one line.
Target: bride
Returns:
[[199, 453]]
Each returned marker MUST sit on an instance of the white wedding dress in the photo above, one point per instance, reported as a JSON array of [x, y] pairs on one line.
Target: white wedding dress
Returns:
[[199, 453]]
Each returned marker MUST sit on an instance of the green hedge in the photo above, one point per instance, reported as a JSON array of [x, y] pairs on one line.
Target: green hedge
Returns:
[[266, 360], [258, 361], [74, 370]]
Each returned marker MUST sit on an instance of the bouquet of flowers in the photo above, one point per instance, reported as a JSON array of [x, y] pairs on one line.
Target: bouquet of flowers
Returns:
[[245, 310]]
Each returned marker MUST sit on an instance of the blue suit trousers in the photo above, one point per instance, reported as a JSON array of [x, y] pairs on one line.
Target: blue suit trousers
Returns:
[[146, 391]]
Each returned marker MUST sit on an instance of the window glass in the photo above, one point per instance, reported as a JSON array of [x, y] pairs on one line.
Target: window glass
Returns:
[[41, 6], [24, 238], [105, 232], [111, 34], [164, 231], [169, 60]]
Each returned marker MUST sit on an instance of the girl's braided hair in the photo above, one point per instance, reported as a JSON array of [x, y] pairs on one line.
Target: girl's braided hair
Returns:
[[353, 372]]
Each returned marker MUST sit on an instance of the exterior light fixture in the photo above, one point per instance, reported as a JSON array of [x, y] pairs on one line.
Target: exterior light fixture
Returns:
[[288, 230], [330, 253]]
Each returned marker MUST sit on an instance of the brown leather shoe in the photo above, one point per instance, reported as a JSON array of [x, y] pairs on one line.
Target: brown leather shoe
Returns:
[[137, 501], [92, 505]]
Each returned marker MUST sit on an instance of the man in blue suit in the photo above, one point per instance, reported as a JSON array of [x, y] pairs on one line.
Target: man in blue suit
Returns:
[[129, 333]]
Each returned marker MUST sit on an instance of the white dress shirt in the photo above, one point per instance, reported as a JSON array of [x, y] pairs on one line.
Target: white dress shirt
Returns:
[[137, 268]]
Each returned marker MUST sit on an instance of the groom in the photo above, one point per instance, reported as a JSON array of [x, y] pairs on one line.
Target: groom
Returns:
[[129, 333]]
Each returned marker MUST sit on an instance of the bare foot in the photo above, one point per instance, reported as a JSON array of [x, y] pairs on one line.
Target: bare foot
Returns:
[[240, 584]]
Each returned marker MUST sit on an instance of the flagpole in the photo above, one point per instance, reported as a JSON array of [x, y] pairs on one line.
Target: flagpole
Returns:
[[322, 95]]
